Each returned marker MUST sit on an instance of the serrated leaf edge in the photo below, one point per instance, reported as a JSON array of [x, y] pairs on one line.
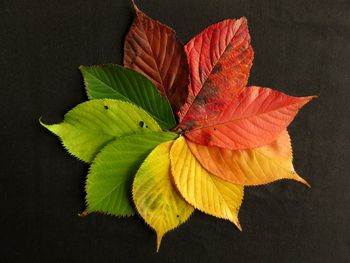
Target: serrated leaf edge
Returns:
[[159, 121], [237, 224], [159, 239], [89, 171]]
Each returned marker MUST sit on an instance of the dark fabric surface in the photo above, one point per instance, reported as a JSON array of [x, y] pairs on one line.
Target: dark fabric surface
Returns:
[[301, 48]]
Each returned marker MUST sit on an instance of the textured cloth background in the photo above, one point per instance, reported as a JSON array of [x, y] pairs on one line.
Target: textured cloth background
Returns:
[[301, 48]]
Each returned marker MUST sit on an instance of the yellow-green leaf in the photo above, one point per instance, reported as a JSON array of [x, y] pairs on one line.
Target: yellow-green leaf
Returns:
[[201, 189], [88, 127], [155, 197]]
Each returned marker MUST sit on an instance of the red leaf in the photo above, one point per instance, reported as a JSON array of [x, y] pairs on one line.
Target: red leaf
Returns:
[[220, 58], [152, 49], [255, 118]]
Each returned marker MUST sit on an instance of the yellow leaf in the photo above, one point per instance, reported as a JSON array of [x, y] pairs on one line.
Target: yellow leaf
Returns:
[[201, 189], [252, 166], [155, 197]]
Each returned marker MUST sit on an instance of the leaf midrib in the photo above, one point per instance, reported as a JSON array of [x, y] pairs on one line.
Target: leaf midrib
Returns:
[[206, 79], [153, 56], [242, 118], [108, 86]]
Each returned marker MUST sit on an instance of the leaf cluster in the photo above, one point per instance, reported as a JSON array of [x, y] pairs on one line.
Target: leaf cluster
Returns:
[[176, 128]]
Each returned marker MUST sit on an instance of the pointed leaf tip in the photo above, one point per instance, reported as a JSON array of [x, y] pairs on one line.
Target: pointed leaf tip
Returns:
[[238, 224], [51, 127], [255, 166], [136, 9], [301, 180], [159, 240], [164, 55], [83, 214], [220, 58], [255, 118], [41, 122], [155, 197], [88, 127]]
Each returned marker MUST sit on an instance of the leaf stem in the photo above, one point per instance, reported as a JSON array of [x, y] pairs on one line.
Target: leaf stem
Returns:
[[178, 130]]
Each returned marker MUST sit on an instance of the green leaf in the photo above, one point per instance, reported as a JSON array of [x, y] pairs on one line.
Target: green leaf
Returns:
[[155, 197], [88, 127], [116, 82], [108, 184]]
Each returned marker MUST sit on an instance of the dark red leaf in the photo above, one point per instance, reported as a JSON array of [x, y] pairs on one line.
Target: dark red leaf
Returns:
[[152, 49]]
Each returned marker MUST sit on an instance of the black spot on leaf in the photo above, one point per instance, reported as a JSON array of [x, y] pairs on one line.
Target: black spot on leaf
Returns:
[[141, 123], [106, 107]]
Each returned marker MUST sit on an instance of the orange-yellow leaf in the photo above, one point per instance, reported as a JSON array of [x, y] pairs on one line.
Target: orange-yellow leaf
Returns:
[[250, 167], [155, 197], [201, 189]]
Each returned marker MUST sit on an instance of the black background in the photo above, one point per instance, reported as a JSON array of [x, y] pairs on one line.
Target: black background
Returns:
[[301, 48]]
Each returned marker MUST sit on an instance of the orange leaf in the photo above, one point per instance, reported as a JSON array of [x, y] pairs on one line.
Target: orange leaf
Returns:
[[250, 167], [152, 49], [255, 118]]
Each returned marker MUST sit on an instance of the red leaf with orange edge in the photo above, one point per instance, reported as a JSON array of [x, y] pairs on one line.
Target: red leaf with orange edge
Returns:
[[255, 118], [153, 50], [256, 166], [220, 58]]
